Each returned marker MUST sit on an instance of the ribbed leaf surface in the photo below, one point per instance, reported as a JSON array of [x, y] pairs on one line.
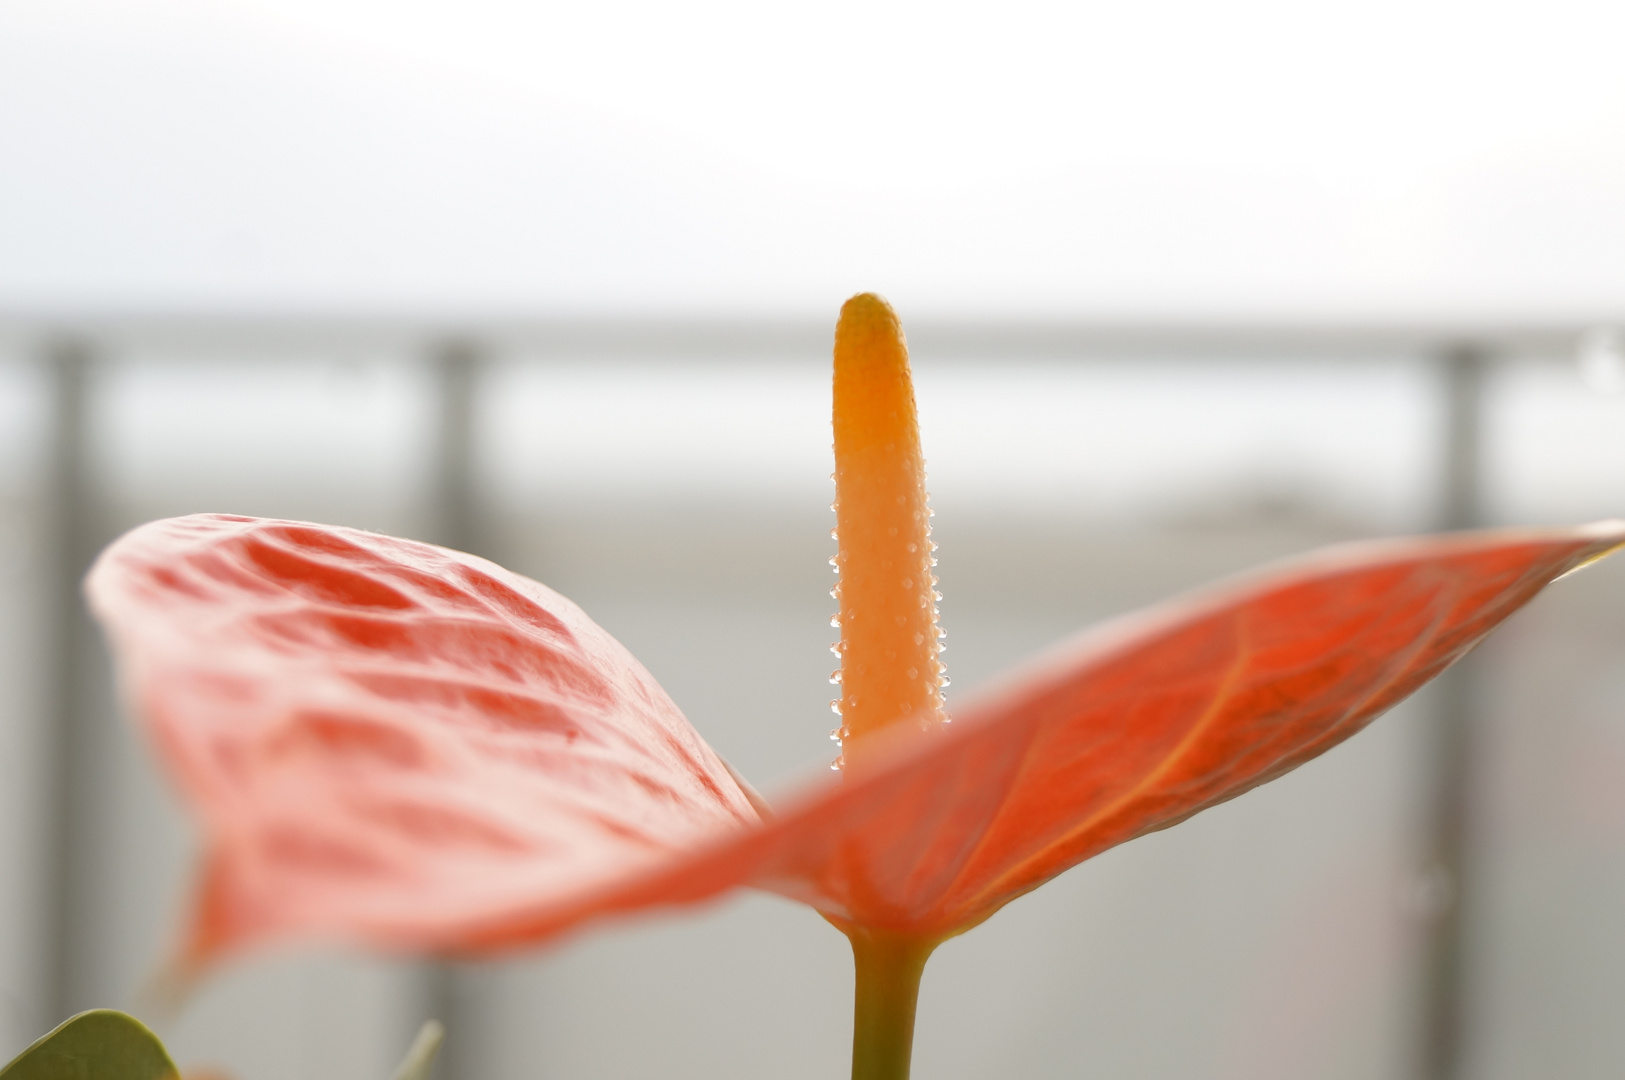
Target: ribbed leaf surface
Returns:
[[387, 738]]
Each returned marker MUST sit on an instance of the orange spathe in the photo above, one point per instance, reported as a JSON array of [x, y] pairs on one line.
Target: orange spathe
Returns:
[[394, 742], [888, 614]]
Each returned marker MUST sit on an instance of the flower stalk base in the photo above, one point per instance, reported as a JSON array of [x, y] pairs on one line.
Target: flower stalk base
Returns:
[[889, 967]]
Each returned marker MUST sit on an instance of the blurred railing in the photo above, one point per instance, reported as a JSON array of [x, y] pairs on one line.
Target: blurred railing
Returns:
[[73, 351]]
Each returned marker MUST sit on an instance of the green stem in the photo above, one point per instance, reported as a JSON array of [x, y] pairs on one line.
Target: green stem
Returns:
[[888, 988]]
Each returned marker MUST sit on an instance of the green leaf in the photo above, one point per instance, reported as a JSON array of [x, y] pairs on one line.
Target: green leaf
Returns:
[[102, 1044]]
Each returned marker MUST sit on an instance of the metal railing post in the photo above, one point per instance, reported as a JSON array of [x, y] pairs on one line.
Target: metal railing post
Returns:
[[453, 504], [1448, 855], [455, 523], [68, 535]]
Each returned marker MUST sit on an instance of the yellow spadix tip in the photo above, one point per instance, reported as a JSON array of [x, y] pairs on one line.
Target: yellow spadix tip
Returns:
[[867, 316]]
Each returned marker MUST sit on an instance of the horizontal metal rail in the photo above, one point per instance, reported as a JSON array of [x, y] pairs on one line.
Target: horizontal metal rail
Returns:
[[769, 339]]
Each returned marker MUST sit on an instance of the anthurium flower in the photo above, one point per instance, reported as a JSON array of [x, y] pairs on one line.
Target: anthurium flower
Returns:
[[391, 741]]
